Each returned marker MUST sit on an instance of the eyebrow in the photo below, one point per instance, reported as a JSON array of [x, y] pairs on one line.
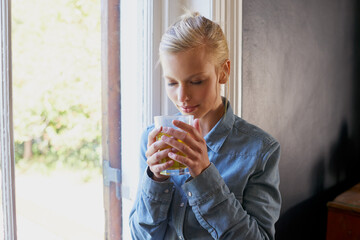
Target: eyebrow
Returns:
[[188, 78]]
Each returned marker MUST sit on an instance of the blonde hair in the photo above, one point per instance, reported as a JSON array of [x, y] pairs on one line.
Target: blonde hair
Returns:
[[192, 31]]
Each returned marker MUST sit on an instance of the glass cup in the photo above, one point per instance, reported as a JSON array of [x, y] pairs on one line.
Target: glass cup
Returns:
[[166, 121]]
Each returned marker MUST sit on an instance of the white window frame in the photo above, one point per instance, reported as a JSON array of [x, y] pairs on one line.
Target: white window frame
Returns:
[[229, 15], [6, 124]]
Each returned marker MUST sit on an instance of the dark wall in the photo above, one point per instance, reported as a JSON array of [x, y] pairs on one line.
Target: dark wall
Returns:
[[300, 83]]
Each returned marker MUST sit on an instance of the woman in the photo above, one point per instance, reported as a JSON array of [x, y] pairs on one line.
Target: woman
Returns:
[[233, 190]]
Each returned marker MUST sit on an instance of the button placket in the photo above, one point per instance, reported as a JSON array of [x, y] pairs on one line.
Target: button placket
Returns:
[[181, 202]]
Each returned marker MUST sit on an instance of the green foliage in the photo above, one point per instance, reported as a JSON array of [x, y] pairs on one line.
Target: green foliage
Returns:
[[57, 81]]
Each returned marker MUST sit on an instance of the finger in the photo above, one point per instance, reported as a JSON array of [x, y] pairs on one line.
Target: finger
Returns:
[[181, 159], [155, 147], [184, 137], [158, 156], [158, 168], [181, 135], [189, 129], [181, 147], [152, 135]]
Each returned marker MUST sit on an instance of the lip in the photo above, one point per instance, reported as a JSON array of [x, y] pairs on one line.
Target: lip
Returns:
[[188, 109]]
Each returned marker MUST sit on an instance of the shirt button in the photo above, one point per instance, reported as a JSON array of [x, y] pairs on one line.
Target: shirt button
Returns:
[[166, 191], [189, 194], [182, 204], [180, 237]]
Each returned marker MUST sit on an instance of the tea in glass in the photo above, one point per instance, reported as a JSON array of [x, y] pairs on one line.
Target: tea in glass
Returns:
[[166, 121]]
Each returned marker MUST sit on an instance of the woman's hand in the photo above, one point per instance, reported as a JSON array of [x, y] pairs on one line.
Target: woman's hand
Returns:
[[157, 150], [195, 148]]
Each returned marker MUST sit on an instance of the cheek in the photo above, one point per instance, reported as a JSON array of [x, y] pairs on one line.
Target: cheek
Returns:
[[210, 91]]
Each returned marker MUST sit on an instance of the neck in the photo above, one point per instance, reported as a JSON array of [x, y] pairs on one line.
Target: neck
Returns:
[[208, 121]]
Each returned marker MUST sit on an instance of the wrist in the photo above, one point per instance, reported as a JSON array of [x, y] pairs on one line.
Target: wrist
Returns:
[[197, 173], [156, 177], [160, 178]]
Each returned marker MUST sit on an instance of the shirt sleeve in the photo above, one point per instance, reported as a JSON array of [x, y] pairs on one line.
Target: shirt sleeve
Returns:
[[225, 217], [148, 217]]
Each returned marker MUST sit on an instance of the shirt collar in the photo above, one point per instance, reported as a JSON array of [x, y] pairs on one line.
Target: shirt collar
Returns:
[[218, 134]]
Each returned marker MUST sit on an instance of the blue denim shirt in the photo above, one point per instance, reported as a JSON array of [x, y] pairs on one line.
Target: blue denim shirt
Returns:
[[237, 197]]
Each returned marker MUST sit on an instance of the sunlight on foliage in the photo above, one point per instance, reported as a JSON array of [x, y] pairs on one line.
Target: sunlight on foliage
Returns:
[[56, 82]]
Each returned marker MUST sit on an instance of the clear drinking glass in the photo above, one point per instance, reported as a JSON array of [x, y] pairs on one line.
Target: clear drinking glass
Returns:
[[166, 121]]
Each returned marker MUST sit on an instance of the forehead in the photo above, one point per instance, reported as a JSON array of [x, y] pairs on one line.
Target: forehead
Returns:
[[186, 63]]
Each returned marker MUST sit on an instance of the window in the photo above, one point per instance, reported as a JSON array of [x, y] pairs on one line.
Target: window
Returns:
[[129, 57], [48, 45]]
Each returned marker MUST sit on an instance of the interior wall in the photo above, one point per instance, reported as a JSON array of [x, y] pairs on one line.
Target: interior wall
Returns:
[[300, 85]]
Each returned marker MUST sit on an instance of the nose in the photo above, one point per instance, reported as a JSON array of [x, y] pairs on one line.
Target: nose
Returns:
[[183, 93]]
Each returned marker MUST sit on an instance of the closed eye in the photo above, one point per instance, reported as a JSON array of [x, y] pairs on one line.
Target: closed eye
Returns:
[[171, 84], [197, 82]]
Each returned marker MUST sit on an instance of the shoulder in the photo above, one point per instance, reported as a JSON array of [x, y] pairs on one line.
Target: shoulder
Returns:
[[244, 127], [253, 138]]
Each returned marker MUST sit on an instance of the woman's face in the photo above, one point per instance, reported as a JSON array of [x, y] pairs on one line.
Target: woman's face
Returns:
[[192, 83]]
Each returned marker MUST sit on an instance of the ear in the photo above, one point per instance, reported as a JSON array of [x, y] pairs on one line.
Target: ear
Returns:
[[225, 72]]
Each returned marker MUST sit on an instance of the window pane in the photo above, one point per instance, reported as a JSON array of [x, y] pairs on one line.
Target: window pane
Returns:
[[57, 112]]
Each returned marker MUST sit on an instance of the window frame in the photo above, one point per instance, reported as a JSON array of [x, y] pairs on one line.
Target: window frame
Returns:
[[6, 124], [229, 15], [111, 117]]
